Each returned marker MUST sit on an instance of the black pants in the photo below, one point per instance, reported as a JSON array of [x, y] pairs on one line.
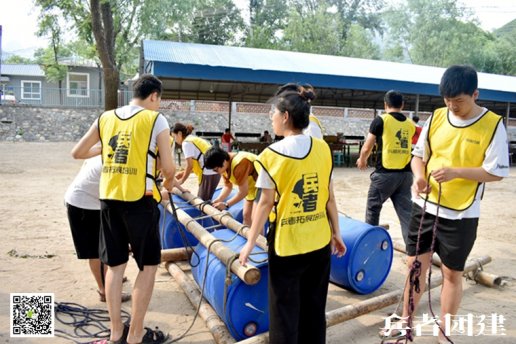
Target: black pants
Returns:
[[298, 286]]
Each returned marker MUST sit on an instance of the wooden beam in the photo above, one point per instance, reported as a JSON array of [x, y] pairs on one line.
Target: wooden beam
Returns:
[[215, 325], [345, 313], [249, 274]]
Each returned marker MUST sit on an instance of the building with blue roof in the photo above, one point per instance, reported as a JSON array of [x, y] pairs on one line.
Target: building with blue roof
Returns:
[[211, 72]]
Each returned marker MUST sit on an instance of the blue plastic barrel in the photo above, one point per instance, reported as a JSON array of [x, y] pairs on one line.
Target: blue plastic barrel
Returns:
[[368, 259], [246, 313], [170, 229]]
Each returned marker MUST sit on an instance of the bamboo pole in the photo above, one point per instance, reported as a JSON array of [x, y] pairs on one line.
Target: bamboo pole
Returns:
[[175, 254], [249, 274], [345, 313], [485, 278], [214, 324], [221, 216]]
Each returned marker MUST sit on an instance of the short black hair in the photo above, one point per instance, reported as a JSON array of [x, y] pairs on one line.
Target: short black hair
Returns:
[[146, 85], [415, 118], [215, 157], [457, 80], [393, 99]]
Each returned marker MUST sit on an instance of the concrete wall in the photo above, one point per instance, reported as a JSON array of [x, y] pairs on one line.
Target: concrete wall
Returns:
[[27, 123]]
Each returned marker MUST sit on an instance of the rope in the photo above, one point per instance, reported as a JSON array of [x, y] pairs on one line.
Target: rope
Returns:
[[415, 270], [87, 322]]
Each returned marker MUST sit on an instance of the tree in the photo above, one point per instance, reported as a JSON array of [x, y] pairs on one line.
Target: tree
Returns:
[[267, 20], [112, 28], [312, 29], [441, 33], [16, 59], [215, 22], [366, 13], [49, 58]]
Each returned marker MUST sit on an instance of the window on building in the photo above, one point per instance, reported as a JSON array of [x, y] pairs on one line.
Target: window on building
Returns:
[[78, 84], [31, 90]]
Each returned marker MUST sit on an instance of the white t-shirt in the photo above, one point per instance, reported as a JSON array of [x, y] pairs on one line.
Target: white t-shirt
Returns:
[[296, 146], [160, 125], [313, 130], [84, 191], [191, 151], [496, 162]]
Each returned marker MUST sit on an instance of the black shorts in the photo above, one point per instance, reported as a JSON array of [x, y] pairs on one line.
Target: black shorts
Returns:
[[134, 223], [454, 238], [85, 227]]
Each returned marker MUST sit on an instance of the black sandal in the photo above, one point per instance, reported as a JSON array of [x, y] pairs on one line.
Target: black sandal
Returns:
[[153, 336]]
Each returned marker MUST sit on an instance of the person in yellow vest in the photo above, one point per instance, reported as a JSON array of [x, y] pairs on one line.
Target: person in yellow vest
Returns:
[[461, 147], [130, 138], [297, 193], [392, 132], [314, 128], [236, 169], [194, 149]]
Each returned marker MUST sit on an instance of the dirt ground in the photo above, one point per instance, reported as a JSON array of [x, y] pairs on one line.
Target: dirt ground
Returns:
[[33, 180]]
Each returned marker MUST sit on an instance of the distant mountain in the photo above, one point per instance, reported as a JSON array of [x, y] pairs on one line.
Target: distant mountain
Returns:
[[508, 31]]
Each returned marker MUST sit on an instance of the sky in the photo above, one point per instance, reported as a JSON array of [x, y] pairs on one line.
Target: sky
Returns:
[[19, 22]]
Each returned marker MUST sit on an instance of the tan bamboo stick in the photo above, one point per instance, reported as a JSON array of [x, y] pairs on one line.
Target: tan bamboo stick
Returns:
[[175, 254], [249, 274], [485, 278], [220, 216], [214, 324], [340, 315]]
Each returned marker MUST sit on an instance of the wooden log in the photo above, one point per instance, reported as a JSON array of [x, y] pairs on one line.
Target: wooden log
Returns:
[[215, 325], [248, 274], [175, 254], [222, 217], [485, 278], [340, 315]]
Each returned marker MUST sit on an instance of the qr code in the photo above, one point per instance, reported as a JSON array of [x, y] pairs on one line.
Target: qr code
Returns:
[[32, 314]]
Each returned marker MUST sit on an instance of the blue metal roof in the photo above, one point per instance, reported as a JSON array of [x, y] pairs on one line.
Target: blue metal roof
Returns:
[[22, 70], [211, 62]]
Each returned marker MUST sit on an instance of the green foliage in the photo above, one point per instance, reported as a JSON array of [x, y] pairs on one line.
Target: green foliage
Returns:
[[267, 20], [15, 59], [427, 32], [441, 33], [312, 31]]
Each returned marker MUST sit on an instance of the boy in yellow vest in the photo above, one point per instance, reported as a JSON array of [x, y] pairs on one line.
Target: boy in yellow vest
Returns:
[[130, 137], [392, 133], [461, 147], [236, 169]]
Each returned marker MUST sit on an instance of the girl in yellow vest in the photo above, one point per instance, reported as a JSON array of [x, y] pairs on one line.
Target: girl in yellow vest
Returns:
[[314, 128], [461, 147], [236, 169], [297, 192], [194, 149]]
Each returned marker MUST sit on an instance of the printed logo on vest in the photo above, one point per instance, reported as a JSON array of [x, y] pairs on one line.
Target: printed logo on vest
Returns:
[[120, 144], [306, 190], [403, 138]]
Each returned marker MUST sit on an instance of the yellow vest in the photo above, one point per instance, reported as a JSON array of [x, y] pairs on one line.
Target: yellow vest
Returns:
[[396, 142], [302, 188], [458, 147], [202, 145], [237, 159], [125, 151], [314, 119]]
